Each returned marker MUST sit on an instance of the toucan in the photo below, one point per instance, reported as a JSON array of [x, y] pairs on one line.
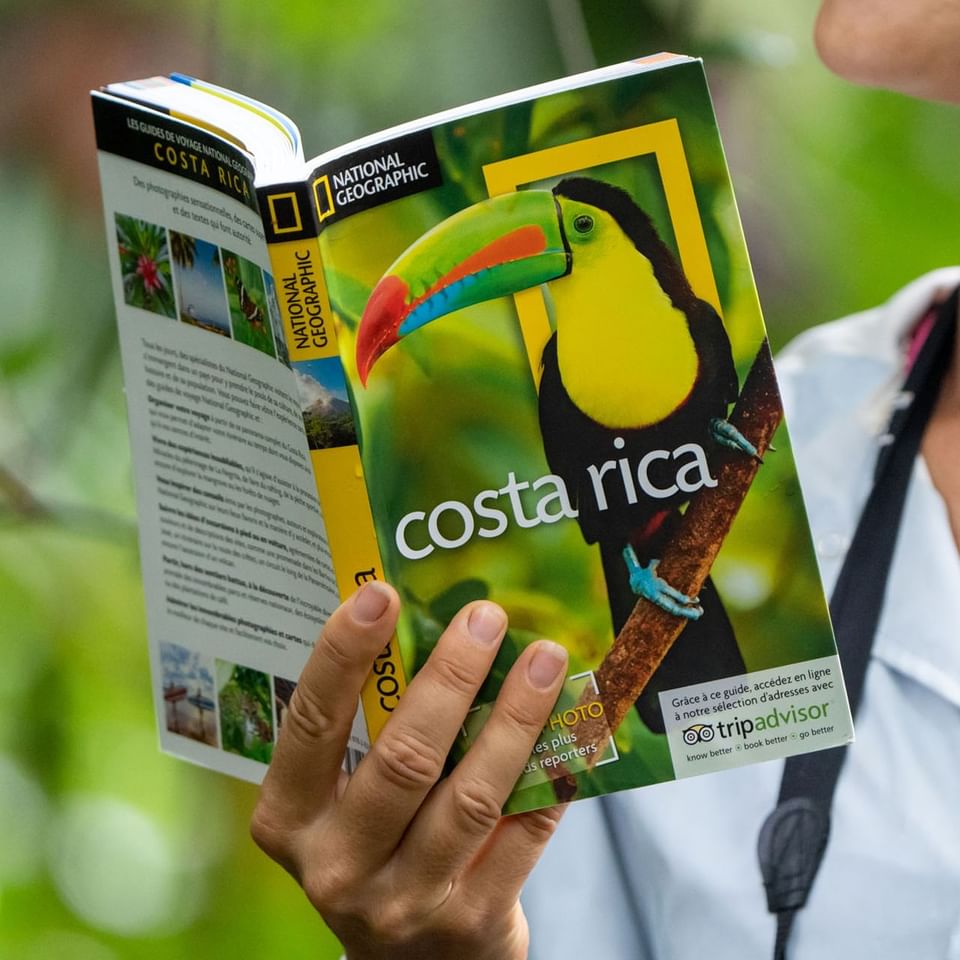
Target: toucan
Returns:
[[637, 376]]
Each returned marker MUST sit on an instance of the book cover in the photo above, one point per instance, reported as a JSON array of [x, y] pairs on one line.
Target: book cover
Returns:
[[513, 351], [565, 403]]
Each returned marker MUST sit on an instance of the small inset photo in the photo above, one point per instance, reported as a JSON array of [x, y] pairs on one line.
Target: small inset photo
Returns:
[[282, 692], [273, 308], [189, 693], [246, 711], [327, 415], [199, 283], [145, 265], [249, 315]]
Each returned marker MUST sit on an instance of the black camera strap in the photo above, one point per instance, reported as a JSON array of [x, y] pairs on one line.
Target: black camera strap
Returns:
[[794, 836]]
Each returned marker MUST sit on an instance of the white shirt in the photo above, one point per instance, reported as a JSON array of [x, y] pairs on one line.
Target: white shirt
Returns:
[[670, 872]]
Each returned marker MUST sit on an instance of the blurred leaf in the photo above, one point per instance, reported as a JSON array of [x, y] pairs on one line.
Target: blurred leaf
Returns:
[[445, 605]]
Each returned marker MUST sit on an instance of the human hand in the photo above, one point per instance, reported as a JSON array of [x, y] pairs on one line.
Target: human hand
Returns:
[[398, 864]]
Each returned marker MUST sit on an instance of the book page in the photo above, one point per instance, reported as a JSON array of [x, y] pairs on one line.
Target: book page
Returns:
[[236, 565]]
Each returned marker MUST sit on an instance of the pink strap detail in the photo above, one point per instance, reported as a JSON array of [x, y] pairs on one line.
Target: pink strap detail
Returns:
[[918, 337]]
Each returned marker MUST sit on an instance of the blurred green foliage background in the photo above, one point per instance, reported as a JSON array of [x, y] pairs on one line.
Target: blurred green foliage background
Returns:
[[110, 850]]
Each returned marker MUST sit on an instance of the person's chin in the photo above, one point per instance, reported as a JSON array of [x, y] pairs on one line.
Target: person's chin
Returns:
[[894, 52]]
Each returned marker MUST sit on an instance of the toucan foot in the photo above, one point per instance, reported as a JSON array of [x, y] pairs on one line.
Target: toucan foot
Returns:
[[726, 434], [644, 582]]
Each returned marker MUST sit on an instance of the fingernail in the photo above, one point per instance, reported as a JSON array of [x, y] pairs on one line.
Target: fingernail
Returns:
[[370, 602], [486, 622], [545, 665]]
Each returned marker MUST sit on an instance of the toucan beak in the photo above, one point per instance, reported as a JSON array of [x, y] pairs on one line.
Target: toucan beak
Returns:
[[492, 249]]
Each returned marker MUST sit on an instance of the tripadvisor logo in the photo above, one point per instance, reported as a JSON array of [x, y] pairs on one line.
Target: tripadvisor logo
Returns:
[[705, 732]]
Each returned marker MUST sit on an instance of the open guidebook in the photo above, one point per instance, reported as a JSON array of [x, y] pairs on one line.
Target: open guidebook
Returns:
[[512, 351]]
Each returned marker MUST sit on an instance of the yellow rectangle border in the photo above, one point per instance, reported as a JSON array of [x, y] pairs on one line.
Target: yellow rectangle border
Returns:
[[327, 209], [663, 140], [271, 199]]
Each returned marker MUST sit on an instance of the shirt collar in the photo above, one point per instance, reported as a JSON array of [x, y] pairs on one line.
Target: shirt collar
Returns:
[[918, 632], [849, 376], [885, 338]]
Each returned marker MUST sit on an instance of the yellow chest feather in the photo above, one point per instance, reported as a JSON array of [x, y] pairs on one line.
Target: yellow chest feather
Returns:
[[626, 355]]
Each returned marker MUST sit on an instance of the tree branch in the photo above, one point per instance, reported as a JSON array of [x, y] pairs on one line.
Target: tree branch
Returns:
[[19, 505], [19, 496], [650, 632]]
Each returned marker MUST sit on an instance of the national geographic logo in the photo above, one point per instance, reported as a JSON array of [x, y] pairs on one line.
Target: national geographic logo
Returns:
[[287, 212], [373, 176]]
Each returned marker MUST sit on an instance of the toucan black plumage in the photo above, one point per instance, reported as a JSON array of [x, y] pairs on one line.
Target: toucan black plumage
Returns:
[[636, 383], [573, 440]]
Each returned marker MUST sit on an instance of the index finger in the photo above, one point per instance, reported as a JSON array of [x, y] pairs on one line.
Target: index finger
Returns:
[[306, 762]]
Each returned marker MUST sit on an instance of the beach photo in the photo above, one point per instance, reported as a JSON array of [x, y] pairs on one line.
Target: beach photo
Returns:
[[199, 283], [188, 693]]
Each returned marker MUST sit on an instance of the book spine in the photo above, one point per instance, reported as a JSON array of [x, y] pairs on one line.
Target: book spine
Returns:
[[290, 224]]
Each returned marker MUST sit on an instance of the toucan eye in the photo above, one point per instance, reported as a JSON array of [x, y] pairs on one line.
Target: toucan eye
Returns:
[[583, 223]]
